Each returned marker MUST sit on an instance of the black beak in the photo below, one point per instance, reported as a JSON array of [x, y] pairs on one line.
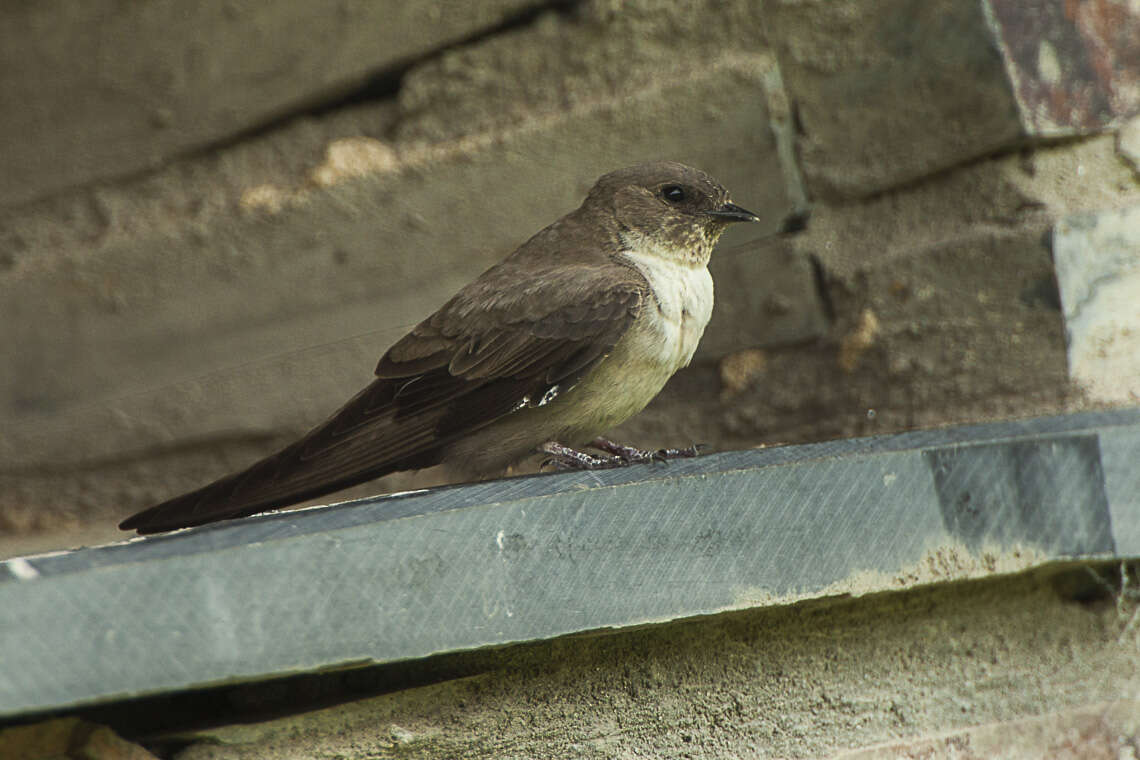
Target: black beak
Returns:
[[730, 212]]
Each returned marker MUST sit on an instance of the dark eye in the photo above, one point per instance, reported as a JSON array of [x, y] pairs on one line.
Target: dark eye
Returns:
[[673, 193]]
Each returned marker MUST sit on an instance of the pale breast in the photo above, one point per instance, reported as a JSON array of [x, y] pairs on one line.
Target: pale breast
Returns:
[[660, 341], [676, 318]]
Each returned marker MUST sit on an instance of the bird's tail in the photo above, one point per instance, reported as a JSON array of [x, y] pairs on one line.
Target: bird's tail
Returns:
[[360, 442]]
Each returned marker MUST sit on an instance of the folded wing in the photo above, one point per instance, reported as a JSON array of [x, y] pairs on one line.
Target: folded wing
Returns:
[[501, 344]]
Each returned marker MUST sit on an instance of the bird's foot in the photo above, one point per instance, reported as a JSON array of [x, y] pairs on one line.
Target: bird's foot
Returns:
[[633, 455], [566, 458], [616, 455]]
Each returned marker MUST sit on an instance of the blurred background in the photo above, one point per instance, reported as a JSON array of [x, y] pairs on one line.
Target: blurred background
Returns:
[[215, 217]]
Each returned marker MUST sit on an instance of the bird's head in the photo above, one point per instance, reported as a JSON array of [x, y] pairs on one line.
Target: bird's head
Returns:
[[676, 209]]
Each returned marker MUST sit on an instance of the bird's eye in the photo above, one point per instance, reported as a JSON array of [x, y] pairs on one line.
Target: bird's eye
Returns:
[[673, 193]]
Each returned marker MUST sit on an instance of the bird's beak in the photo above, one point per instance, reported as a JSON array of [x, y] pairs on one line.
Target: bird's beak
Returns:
[[730, 212]]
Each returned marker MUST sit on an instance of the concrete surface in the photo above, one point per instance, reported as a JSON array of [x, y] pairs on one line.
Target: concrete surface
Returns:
[[591, 52], [955, 276], [807, 680], [1128, 143]]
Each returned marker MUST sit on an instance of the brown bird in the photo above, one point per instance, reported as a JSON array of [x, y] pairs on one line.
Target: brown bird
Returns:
[[571, 334]]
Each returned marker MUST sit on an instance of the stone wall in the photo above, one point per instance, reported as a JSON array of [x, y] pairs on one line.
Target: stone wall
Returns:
[[212, 221]]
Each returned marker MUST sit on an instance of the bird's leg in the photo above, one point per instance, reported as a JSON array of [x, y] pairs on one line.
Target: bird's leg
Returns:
[[685, 453], [566, 458], [617, 455], [630, 455]]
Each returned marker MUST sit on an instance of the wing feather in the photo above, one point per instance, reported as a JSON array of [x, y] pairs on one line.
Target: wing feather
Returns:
[[492, 348]]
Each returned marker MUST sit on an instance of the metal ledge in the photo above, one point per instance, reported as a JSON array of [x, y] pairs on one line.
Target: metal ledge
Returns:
[[400, 577]]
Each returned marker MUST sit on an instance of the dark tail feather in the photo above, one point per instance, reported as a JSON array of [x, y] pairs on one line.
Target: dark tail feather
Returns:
[[393, 424], [254, 490], [360, 442]]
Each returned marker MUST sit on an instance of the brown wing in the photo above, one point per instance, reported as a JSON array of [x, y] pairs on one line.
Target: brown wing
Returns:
[[502, 343]]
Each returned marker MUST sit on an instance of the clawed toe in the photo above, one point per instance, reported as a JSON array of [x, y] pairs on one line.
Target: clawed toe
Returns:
[[616, 455], [566, 458], [690, 451]]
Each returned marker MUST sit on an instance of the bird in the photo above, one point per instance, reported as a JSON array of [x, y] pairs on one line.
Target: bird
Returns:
[[574, 332]]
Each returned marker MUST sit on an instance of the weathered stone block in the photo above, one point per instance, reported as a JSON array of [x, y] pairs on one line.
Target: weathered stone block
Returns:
[[1097, 257], [958, 322], [888, 91], [101, 89], [590, 51], [766, 297]]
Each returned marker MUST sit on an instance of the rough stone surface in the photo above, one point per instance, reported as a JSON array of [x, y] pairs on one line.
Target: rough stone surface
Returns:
[[568, 59], [801, 681], [1098, 272], [1110, 731], [892, 91], [104, 90], [70, 739], [783, 307], [1128, 143], [1073, 68]]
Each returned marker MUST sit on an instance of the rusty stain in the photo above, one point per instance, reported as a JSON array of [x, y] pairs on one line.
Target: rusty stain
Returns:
[[1095, 82]]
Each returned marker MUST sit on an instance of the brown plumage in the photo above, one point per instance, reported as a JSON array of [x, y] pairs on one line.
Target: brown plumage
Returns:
[[572, 333]]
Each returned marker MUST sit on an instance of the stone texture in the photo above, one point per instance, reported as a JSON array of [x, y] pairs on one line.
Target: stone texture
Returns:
[[1128, 143], [103, 90], [888, 92], [765, 298], [1110, 731], [592, 50], [67, 739], [1074, 68], [1097, 257]]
